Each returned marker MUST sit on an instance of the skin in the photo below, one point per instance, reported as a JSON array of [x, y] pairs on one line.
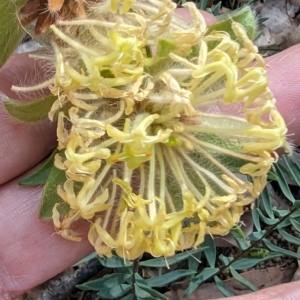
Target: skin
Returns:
[[30, 251]]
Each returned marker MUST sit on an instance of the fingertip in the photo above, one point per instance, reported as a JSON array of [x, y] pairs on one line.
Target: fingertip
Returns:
[[185, 14], [284, 73]]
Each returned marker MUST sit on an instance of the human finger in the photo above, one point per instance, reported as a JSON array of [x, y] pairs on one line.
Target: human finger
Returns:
[[284, 81], [30, 250], [287, 291], [22, 145]]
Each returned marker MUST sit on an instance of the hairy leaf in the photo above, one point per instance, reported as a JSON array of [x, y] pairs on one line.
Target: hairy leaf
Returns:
[[30, 112], [50, 197], [243, 16], [40, 175], [11, 31]]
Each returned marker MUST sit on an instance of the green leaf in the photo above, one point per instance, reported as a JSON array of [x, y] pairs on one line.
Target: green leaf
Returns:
[[244, 16], [281, 212], [222, 288], [265, 199], [216, 9], [210, 252], [194, 260], [237, 232], [106, 282], [280, 250], [146, 292], [114, 262], [255, 218], [288, 237], [266, 220], [225, 260], [167, 278], [271, 175], [295, 223], [115, 292], [256, 235], [283, 184], [11, 31], [40, 175], [164, 262], [128, 297], [201, 4], [248, 263], [293, 168], [50, 197], [199, 279], [30, 112], [86, 259], [242, 280]]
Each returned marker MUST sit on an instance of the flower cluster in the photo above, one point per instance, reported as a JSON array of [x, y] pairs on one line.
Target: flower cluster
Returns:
[[170, 131]]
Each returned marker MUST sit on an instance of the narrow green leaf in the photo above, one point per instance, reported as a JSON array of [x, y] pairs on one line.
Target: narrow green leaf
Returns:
[[261, 20], [222, 288], [201, 4], [199, 279], [243, 16], [194, 260], [40, 175], [115, 292], [50, 197], [283, 184], [265, 199], [216, 9], [288, 237], [237, 232], [295, 223], [142, 290], [280, 212], [30, 112], [247, 263], [167, 278], [142, 294], [128, 297], [255, 218], [11, 31], [256, 235], [224, 259], [242, 280], [271, 175], [164, 262], [114, 262], [210, 252], [293, 168], [280, 250], [86, 259], [106, 282], [266, 220]]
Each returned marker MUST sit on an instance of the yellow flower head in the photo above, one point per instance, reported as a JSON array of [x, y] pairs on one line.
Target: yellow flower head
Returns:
[[163, 120]]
